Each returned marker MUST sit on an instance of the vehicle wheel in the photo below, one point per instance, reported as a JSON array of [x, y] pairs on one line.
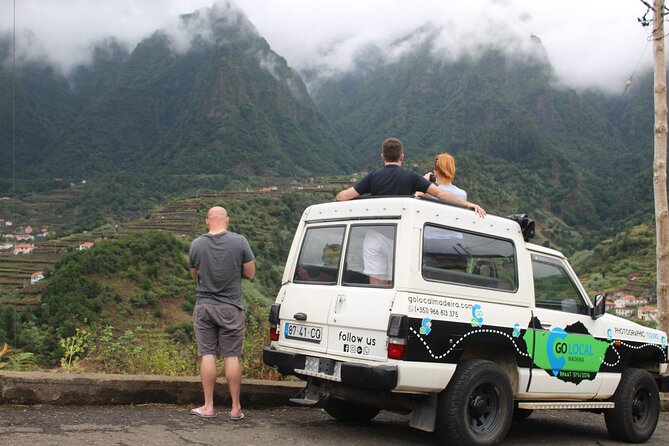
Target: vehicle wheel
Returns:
[[521, 414], [477, 406], [349, 412], [637, 409]]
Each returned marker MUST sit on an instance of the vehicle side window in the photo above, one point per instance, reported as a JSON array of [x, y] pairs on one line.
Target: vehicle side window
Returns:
[[320, 254], [470, 259], [370, 256], [553, 288]]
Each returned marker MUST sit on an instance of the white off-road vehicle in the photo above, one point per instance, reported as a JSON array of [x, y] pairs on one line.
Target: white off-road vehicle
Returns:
[[420, 307]]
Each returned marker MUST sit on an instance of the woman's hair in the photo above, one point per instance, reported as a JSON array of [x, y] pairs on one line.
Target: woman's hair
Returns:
[[444, 165]]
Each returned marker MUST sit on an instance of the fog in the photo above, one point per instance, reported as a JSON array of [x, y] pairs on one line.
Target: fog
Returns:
[[596, 43]]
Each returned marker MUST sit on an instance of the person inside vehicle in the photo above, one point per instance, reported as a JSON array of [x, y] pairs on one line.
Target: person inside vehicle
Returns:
[[327, 271], [377, 255]]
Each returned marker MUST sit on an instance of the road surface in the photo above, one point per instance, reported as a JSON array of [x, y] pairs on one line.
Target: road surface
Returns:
[[165, 425]]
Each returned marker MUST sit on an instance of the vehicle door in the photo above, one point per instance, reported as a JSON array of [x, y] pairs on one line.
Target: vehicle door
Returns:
[[358, 320], [306, 307], [566, 357]]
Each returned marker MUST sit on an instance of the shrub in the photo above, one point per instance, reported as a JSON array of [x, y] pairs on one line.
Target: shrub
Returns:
[[75, 347]]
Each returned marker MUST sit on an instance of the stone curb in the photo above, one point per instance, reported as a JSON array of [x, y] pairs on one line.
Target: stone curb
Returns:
[[28, 388], [101, 389]]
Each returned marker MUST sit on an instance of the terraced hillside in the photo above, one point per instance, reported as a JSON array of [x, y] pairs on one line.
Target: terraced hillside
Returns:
[[182, 218]]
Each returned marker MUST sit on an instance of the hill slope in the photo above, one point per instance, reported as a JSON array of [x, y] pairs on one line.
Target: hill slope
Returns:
[[505, 107], [224, 103]]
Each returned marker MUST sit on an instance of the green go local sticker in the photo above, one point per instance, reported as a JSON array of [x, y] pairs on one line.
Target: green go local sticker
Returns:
[[567, 356]]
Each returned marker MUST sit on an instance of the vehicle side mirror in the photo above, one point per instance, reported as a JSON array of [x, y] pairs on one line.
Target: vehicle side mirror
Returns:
[[600, 306]]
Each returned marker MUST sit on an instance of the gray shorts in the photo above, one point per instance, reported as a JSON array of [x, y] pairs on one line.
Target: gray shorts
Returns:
[[219, 329]]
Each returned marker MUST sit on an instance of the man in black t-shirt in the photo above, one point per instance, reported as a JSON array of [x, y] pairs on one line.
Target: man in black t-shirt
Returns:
[[393, 179]]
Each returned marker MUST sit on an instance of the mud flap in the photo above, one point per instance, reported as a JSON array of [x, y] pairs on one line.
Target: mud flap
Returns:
[[424, 413]]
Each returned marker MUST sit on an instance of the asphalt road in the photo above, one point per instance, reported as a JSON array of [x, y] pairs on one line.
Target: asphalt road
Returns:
[[153, 424]]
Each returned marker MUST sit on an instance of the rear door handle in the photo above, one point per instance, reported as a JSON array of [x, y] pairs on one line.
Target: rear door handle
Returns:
[[300, 316], [340, 300]]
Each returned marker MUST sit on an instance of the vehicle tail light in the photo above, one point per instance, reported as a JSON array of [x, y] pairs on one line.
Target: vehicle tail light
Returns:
[[396, 348], [398, 332], [274, 322], [273, 333]]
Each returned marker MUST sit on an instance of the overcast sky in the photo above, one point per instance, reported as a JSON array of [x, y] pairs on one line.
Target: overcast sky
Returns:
[[589, 42]]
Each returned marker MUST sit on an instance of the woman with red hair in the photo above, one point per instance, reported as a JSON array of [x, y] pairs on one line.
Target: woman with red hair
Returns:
[[444, 172]]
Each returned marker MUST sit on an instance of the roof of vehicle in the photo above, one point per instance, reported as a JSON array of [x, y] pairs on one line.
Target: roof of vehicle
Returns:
[[398, 207]]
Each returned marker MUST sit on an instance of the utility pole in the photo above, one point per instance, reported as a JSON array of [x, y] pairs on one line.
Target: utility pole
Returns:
[[660, 167]]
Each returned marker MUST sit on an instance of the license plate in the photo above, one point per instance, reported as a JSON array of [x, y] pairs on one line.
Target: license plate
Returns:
[[307, 333]]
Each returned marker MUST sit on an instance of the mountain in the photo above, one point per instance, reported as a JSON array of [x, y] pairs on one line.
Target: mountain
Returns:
[[46, 103], [504, 106], [433, 99], [211, 106], [213, 98]]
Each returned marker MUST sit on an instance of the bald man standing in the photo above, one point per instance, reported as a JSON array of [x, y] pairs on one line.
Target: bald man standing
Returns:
[[218, 261]]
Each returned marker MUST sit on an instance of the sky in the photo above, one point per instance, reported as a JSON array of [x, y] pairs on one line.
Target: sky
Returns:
[[590, 43]]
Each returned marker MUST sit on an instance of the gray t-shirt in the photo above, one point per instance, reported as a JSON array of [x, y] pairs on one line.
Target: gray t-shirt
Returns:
[[218, 259]]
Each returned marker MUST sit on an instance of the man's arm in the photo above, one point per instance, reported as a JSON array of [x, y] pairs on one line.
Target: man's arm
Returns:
[[249, 270], [450, 197], [193, 273], [347, 194]]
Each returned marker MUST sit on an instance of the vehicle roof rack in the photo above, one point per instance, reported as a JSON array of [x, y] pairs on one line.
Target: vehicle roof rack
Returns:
[[526, 225]]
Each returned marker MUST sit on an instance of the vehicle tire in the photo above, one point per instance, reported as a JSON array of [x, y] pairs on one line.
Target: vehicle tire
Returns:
[[477, 405], [349, 412], [637, 407], [521, 414]]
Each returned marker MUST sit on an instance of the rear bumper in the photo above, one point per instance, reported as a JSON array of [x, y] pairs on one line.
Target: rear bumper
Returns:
[[284, 361], [380, 377]]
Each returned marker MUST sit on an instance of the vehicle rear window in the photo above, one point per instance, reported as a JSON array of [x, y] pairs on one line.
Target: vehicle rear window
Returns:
[[370, 256], [320, 256], [455, 256]]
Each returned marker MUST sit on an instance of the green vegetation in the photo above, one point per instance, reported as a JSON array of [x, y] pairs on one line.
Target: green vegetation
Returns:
[[625, 262], [73, 347], [143, 351], [124, 306], [133, 271]]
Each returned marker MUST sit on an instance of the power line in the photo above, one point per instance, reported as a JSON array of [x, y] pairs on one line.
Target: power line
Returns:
[[628, 83]]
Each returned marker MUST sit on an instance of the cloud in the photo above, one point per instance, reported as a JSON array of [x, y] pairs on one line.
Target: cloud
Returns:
[[61, 32], [594, 43]]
